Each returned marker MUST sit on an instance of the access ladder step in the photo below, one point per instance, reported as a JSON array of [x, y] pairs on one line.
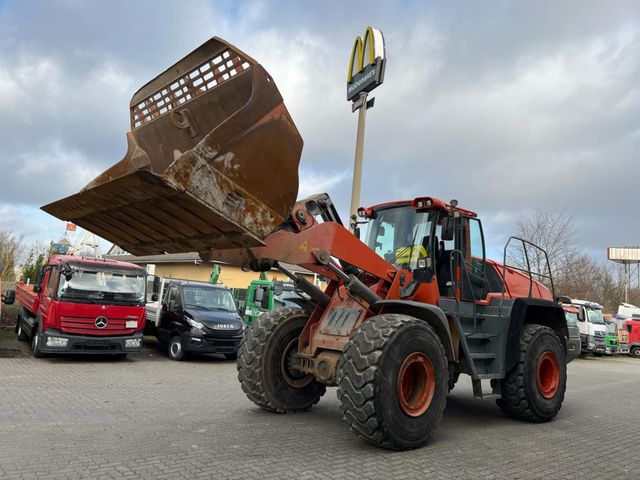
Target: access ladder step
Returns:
[[483, 356], [479, 336]]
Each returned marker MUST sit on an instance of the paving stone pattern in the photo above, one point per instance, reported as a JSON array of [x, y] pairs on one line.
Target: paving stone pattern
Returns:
[[149, 417]]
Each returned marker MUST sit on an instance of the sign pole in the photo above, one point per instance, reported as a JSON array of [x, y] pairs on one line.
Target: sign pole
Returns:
[[366, 72], [356, 186]]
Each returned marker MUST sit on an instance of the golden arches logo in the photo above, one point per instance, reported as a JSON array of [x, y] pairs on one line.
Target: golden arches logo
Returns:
[[375, 41]]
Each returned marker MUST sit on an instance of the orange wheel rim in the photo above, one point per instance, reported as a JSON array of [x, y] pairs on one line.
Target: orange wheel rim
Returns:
[[548, 375], [416, 384]]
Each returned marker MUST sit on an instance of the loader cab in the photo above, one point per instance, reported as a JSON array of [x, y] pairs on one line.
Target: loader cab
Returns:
[[434, 240]]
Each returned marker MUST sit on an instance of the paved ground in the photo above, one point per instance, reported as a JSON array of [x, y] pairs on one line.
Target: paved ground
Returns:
[[149, 417]]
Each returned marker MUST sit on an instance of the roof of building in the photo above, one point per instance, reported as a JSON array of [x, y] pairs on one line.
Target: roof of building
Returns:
[[189, 257]]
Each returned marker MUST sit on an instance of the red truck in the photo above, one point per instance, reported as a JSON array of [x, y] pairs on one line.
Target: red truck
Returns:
[[82, 305], [633, 338]]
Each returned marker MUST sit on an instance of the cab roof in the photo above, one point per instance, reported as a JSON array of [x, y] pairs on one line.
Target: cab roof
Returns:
[[57, 259], [587, 303], [195, 283], [419, 204]]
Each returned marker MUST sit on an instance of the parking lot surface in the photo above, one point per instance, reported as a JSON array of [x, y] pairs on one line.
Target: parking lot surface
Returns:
[[149, 417]]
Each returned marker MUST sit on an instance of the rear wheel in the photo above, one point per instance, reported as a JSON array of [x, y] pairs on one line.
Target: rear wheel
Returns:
[[175, 349], [635, 352], [22, 336], [534, 389], [265, 363], [393, 381]]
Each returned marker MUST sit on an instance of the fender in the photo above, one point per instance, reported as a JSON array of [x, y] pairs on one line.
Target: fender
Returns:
[[431, 314], [533, 310]]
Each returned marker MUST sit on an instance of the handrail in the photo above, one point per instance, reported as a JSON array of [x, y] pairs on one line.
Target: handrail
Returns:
[[528, 270]]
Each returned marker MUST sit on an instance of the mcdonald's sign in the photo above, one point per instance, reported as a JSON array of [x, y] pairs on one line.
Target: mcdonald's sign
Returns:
[[366, 64]]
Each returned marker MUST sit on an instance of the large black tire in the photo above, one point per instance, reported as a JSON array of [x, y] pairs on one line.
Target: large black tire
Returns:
[[372, 375], [264, 363], [534, 389], [635, 352]]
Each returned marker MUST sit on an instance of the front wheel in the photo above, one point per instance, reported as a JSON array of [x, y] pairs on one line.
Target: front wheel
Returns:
[[635, 352], [175, 349], [265, 369], [534, 389], [393, 381], [35, 344]]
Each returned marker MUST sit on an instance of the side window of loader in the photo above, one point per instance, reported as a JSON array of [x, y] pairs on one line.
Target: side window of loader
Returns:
[[385, 240], [476, 243]]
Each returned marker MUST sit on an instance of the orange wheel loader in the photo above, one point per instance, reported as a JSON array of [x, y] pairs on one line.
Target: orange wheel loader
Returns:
[[211, 166]]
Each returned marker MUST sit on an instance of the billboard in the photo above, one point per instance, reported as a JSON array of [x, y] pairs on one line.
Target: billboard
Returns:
[[624, 254]]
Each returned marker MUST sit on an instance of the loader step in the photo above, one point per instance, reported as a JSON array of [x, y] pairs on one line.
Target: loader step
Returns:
[[483, 356]]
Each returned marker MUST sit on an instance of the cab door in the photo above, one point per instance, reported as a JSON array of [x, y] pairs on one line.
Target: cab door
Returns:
[[49, 286], [471, 243]]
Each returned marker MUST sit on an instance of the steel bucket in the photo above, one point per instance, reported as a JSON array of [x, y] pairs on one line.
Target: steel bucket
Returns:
[[212, 161]]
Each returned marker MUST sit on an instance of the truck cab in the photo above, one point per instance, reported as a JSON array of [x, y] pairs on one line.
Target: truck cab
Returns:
[[592, 326], [196, 317], [83, 305], [633, 337], [611, 338], [573, 343], [263, 296]]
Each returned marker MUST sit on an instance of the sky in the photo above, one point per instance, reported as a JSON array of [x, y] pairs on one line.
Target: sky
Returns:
[[505, 106]]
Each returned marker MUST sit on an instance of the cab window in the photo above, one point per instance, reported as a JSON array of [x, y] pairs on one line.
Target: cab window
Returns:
[[476, 248], [51, 282], [173, 299]]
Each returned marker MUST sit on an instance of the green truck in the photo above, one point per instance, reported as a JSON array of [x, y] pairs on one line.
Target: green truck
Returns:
[[611, 338], [263, 296]]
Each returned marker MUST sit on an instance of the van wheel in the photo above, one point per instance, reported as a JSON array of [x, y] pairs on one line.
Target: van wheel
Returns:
[[22, 337], [35, 344], [176, 352]]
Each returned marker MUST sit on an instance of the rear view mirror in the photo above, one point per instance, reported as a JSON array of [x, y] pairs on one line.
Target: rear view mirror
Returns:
[[154, 297], [9, 297], [448, 231], [37, 288], [156, 285], [67, 271]]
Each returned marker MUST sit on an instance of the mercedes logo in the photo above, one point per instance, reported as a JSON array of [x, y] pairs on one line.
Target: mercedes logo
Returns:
[[101, 322]]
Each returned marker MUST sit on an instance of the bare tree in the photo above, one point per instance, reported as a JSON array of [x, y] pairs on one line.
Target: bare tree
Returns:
[[553, 231], [11, 250]]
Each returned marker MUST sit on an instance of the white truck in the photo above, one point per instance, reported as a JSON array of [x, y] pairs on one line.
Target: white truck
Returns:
[[592, 326]]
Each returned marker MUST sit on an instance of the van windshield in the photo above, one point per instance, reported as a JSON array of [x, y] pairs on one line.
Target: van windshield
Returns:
[[103, 285], [209, 298]]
